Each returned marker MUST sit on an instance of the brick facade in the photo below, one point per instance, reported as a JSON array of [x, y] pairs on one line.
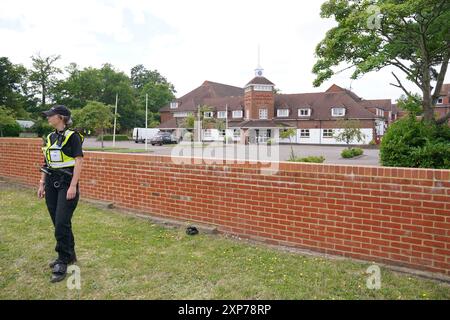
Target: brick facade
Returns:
[[397, 216], [255, 100]]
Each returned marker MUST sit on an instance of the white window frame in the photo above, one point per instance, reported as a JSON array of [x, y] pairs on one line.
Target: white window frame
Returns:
[[261, 87], [208, 114], [236, 133], [305, 133], [303, 115], [221, 114], [264, 111], [284, 114], [174, 105], [380, 112], [237, 114], [328, 135], [441, 99], [334, 114]]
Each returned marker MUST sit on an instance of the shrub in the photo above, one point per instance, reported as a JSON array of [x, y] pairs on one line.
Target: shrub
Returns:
[[11, 130], [415, 143], [357, 152], [109, 137], [311, 159], [351, 153], [347, 153]]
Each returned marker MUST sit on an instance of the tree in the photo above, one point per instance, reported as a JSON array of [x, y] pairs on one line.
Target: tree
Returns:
[[43, 74], [95, 116], [221, 126], [102, 85], [199, 118], [6, 120], [153, 85], [410, 35], [351, 132], [288, 134], [189, 121], [411, 104], [79, 87], [13, 93], [159, 95], [140, 77]]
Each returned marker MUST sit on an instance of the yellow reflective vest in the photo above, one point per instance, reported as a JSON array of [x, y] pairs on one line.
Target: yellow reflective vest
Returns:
[[53, 154]]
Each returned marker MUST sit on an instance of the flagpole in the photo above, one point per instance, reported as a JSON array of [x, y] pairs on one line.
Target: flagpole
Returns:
[[226, 123], [115, 121], [199, 136], [146, 117]]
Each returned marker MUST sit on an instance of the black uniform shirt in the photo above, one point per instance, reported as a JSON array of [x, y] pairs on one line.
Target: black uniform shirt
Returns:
[[73, 147]]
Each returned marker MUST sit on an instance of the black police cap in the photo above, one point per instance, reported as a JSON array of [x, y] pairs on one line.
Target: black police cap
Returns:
[[59, 109]]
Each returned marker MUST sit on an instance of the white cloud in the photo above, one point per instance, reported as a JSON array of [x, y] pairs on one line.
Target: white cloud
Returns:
[[187, 41]]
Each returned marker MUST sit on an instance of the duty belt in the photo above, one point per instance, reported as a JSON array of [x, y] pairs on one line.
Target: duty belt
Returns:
[[62, 174]]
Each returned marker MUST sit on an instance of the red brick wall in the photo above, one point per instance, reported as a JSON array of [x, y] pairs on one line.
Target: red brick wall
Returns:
[[397, 216], [255, 100], [166, 116]]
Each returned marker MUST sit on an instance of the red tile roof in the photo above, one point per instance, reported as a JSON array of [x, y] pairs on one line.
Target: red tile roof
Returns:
[[208, 90], [321, 104], [385, 104], [218, 96], [260, 80], [445, 90]]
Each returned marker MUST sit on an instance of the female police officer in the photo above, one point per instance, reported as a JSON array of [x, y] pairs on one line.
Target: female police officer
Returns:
[[59, 184]]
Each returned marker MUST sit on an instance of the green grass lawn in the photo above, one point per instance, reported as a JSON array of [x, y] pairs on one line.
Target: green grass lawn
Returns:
[[123, 257]]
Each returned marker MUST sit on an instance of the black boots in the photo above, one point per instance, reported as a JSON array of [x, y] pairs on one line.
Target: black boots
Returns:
[[59, 269], [72, 260], [59, 272]]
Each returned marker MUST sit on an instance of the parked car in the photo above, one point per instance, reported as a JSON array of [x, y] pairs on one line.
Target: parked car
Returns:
[[163, 138]]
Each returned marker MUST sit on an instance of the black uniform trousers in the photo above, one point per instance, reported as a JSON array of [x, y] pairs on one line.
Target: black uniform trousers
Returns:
[[61, 212]]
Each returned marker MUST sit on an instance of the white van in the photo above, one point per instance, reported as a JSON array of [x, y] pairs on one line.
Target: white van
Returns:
[[139, 134]]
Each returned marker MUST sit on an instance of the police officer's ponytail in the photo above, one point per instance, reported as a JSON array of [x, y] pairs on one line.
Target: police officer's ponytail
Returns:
[[69, 122]]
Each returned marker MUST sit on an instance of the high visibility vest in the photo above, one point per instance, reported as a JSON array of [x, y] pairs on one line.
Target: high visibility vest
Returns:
[[54, 156]]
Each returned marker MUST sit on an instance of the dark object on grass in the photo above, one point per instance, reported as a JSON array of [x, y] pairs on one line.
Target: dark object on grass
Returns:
[[191, 231]]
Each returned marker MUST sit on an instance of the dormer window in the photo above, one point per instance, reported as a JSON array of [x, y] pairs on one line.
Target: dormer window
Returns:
[[174, 105], [304, 112], [222, 115], [379, 112], [338, 112], [282, 112], [237, 114]]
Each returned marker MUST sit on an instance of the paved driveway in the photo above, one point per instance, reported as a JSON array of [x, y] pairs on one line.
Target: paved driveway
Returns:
[[331, 153]]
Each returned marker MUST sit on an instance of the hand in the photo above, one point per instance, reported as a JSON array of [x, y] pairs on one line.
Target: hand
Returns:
[[71, 192], [41, 191]]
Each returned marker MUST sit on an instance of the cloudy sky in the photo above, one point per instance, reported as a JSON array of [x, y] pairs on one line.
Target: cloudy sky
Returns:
[[187, 41]]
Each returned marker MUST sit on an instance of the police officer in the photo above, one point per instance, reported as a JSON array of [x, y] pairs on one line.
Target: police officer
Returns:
[[59, 185]]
